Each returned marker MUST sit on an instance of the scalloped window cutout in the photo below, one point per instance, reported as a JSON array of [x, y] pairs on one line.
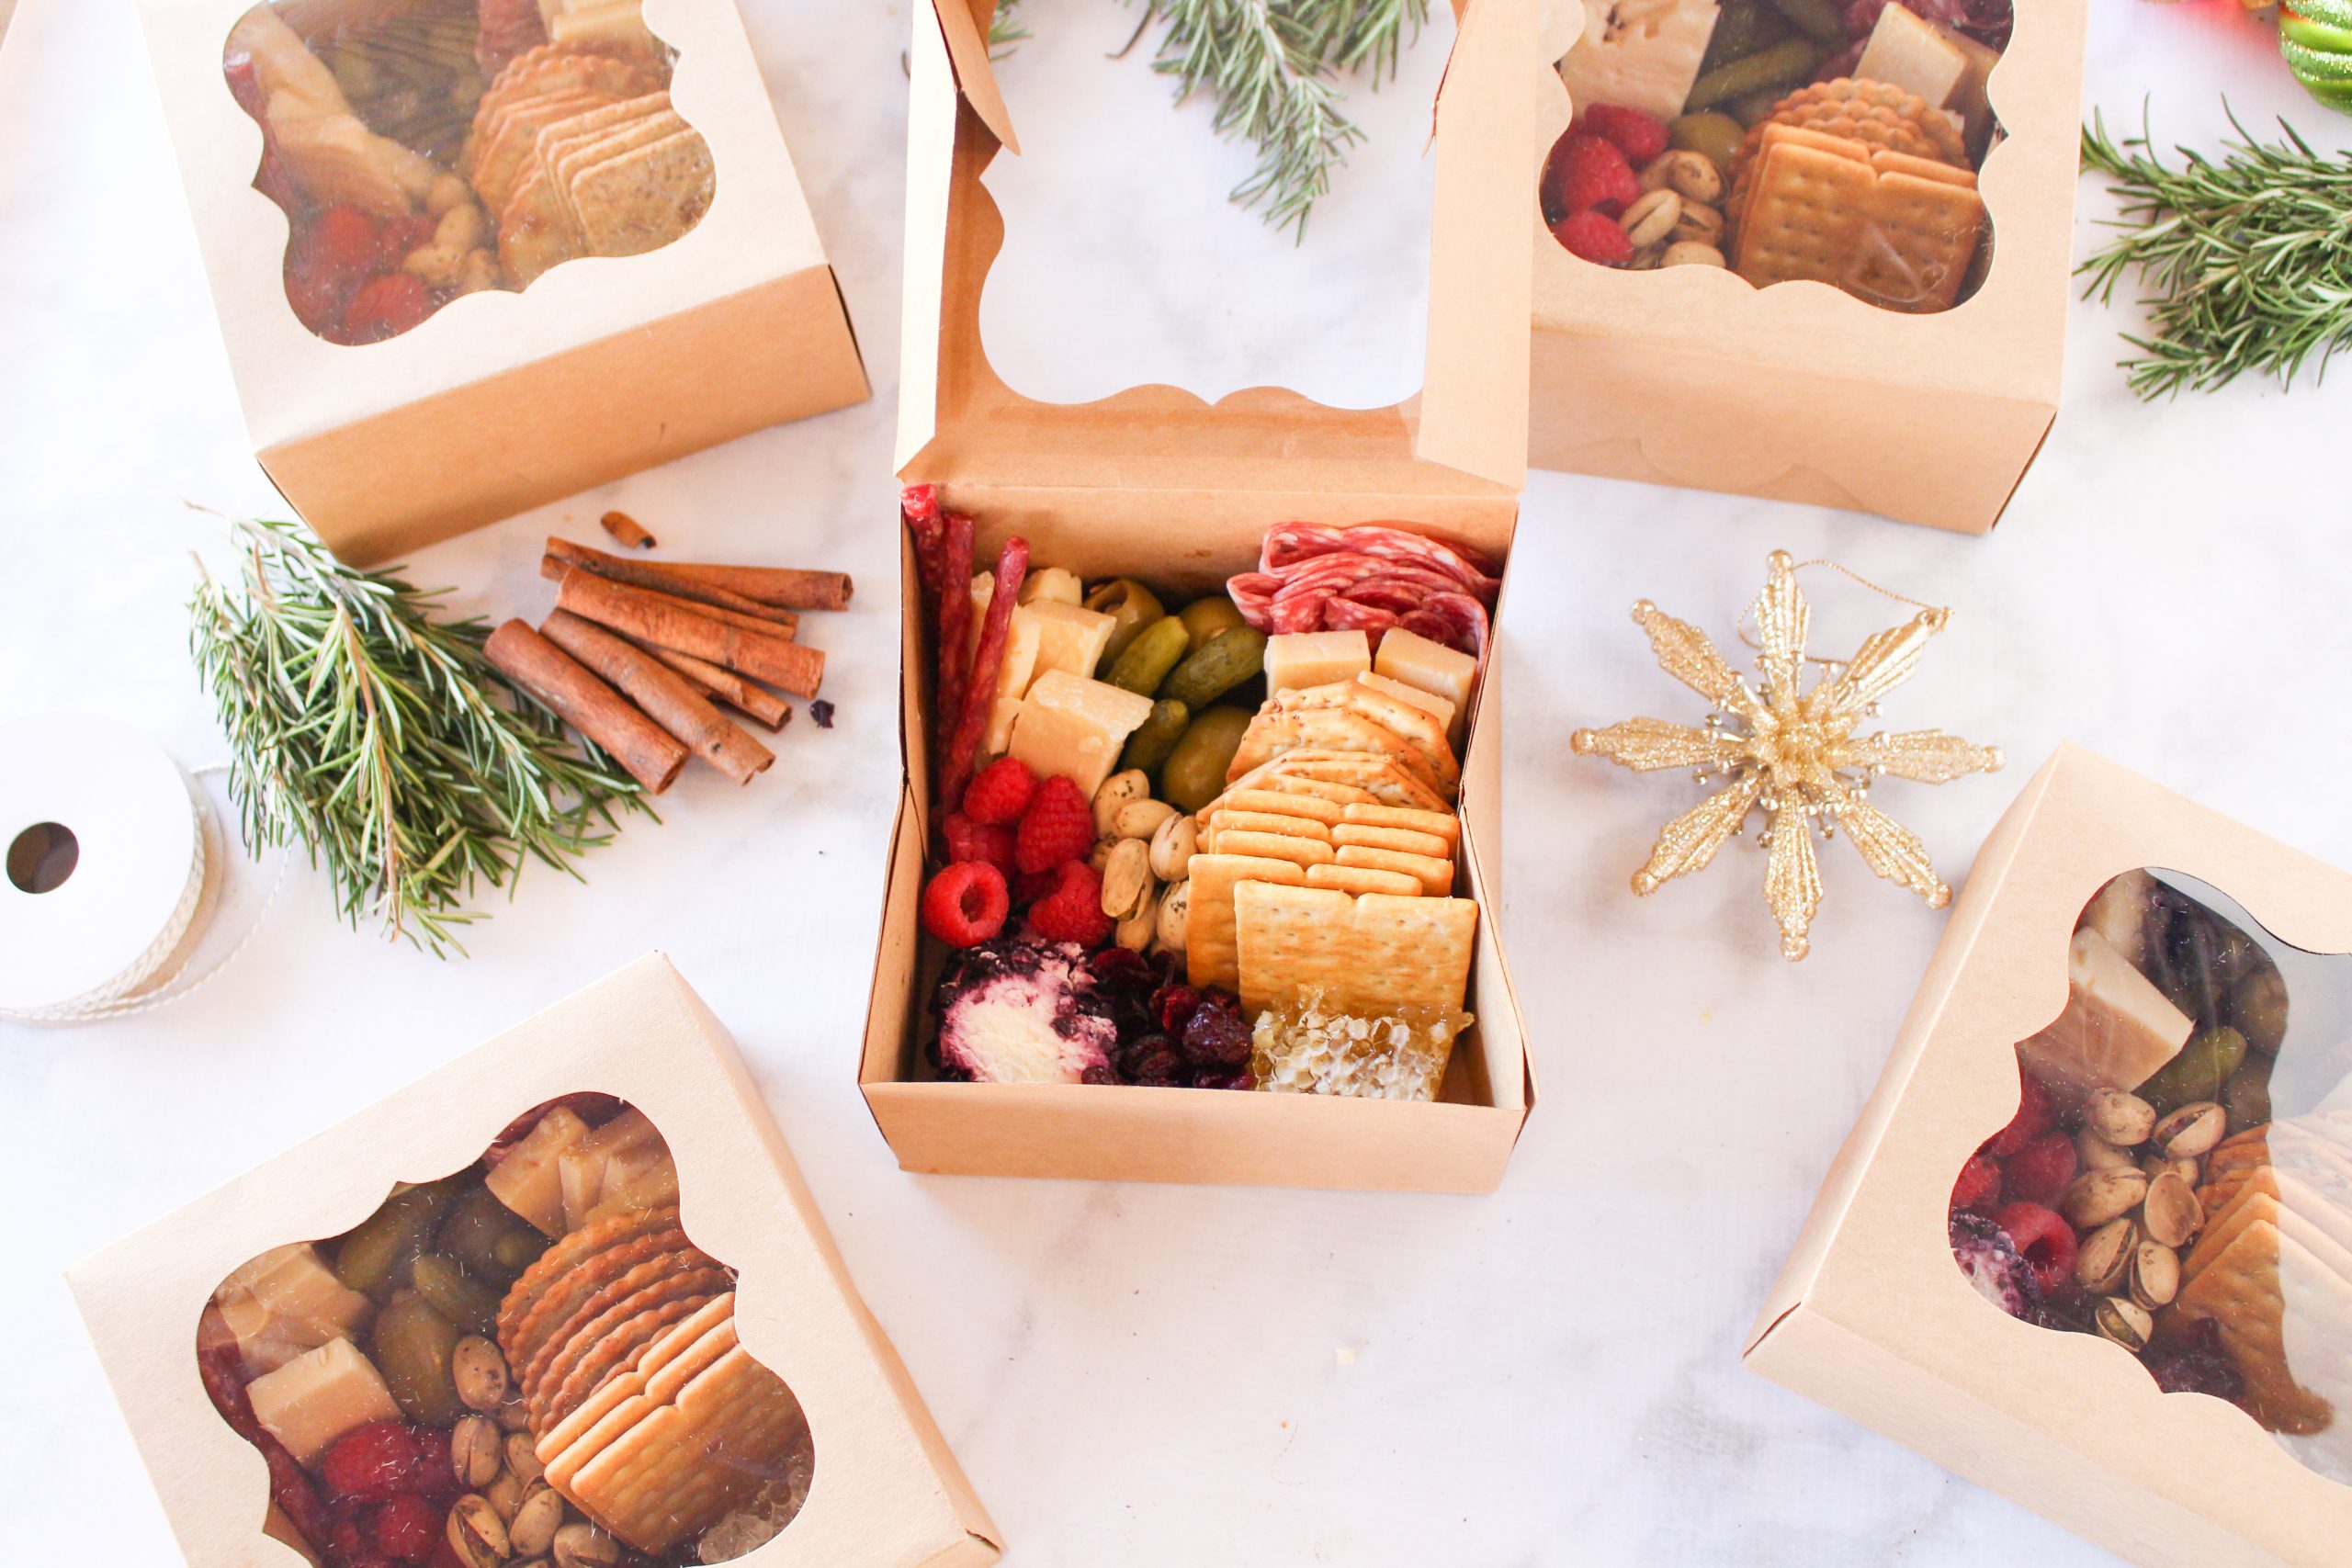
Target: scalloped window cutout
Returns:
[[525, 1357], [1795, 140], [2177, 1178], [426, 149]]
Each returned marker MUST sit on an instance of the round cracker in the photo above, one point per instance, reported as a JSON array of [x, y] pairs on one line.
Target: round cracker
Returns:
[[614, 1276], [587, 1343], [560, 1259], [528, 1342], [618, 1349]]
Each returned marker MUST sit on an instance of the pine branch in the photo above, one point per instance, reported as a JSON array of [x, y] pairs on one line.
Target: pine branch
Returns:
[[2245, 266], [1005, 29], [380, 741]]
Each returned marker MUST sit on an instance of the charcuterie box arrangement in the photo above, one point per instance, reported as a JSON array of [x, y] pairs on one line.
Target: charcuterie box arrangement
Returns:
[[1193, 875], [565, 1300], [471, 256], [1811, 251], [2091, 1242]]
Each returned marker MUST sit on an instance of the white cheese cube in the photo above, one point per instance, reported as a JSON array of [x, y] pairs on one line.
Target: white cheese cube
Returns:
[[530, 1180], [287, 1301], [1641, 54], [998, 738], [317, 1396], [1074, 729], [1314, 658], [1069, 637], [1430, 667], [1908, 53]]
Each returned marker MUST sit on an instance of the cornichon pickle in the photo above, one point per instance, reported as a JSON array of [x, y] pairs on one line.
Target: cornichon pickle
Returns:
[[1716, 135], [414, 1347], [1148, 747], [1231, 657], [1195, 772], [1204, 618], [1742, 27], [441, 1280], [1782, 66], [1155, 651], [375, 1256], [1817, 19], [2204, 1065], [1131, 607]]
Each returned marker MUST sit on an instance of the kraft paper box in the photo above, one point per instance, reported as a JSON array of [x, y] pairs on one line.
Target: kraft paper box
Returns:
[[1689, 375], [230, 1296], [692, 302], [2103, 897], [1154, 483]]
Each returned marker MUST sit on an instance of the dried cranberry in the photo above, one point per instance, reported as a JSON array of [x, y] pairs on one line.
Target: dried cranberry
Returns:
[[1159, 1066], [1216, 1035], [2194, 1362], [371, 1461], [1225, 1081], [1117, 963], [1100, 1073], [1173, 1006], [404, 1529]]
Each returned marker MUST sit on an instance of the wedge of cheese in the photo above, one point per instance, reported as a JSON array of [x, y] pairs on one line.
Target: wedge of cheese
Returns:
[[1074, 729], [1907, 52], [1071, 637], [317, 1396], [624, 1164], [1641, 54], [2117, 1029], [286, 1302], [1432, 667], [530, 1180], [1296, 660]]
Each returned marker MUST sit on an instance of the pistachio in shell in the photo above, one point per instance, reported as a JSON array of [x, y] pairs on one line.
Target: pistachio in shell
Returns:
[[2099, 1196], [2191, 1131], [2119, 1116], [2155, 1274], [2171, 1213], [2124, 1321], [2097, 1154], [2103, 1263]]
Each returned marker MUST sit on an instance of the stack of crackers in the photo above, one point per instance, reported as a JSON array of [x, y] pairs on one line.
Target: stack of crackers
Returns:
[[1862, 186], [577, 152], [1329, 863], [647, 1413]]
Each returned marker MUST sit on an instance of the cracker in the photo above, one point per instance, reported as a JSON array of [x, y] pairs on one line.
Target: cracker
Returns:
[[1300, 851], [536, 231], [1384, 780], [552, 68], [1437, 707], [1888, 162], [1278, 804], [1333, 730], [584, 1275], [1416, 726], [1432, 875], [564, 160], [679, 1338], [2292, 1222], [1354, 879], [644, 198], [1440, 824], [690, 1463], [649, 1284], [1369, 955], [1211, 957], [1891, 239], [1404, 841], [2264, 1291], [556, 1264], [509, 146], [1272, 779], [1294, 826], [613, 1349]]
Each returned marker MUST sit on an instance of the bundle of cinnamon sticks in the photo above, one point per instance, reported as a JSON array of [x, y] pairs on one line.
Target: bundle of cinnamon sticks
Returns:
[[637, 656]]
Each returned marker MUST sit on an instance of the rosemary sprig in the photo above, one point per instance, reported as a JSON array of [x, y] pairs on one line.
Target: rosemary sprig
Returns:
[[2245, 264], [378, 738], [1005, 28]]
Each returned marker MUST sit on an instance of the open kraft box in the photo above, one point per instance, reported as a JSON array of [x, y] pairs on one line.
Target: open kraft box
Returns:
[[503, 401], [882, 1487], [1690, 375], [1155, 483], [1872, 1317]]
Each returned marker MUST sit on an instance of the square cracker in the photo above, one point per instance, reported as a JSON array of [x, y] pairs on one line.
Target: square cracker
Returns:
[[1430, 874], [644, 198], [1354, 879], [1440, 824], [1276, 804], [1403, 841], [1211, 957], [2289, 1188], [1289, 825], [1803, 216], [672, 1341], [697, 1459], [2285, 1322], [2261, 1204], [589, 125], [566, 159], [1271, 780], [1382, 778], [535, 231], [1918, 240], [1274, 734], [1300, 851], [509, 148], [1368, 954], [1416, 726]]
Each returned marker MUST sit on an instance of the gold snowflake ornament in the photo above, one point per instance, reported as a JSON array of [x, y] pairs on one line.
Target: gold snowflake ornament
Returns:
[[1790, 754]]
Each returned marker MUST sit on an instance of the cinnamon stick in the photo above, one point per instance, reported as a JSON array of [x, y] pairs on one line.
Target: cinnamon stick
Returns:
[[748, 612], [628, 531], [590, 707], [725, 685], [776, 587], [648, 617], [664, 695]]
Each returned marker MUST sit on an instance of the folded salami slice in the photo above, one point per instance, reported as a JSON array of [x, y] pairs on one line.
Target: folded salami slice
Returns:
[[1370, 577]]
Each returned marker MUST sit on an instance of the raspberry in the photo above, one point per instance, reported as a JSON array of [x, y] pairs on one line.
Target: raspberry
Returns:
[[370, 1461], [1058, 826], [402, 235], [966, 904], [1001, 794], [1074, 911], [2040, 1172], [404, 1529], [1595, 238], [344, 240], [2042, 1238], [1639, 137], [1028, 886], [988, 841], [2034, 1111], [1587, 173], [386, 307], [1979, 1184]]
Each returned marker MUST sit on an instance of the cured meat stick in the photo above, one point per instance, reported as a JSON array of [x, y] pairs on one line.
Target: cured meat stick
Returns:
[[918, 509], [603, 714], [724, 685], [963, 749], [647, 617], [955, 641], [776, 622], [664, 695], [656, 576]]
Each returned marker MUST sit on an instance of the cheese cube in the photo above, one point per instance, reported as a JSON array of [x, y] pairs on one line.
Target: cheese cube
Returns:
[[1314, 658], [1069, 637], [616, 1156], [1429, 703], [1074, 729], [317, 1396], [1967, 97], [287, 1301], [2117, 1027], [983, 595], [1641, 54], [1053, 584], [530, 1180], [1908, 53], [998, 738], [1430, 667], [621, 23]]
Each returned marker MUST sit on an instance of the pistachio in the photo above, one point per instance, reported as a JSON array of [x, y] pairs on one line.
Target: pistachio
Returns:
[[2171, 1212], [1172, 844], [2120, 1117], [1119, 790], [477, 1450], [1127, 878], [2191, 1131], [2103, 1195], [2157, 1165], [2098, 1154], [1135, 933], [2155, 1274], [1652, 218], [1699, 222], [2104, 1262], [1141, 819], [1102, 855], [1690, 253], [523, 1457], [1690, 175], [1175, 917], [504, 1494], [515, 1416], [477, 1535], [480, 1372], [581, 1545], [532, 1529], [2124, 1321]]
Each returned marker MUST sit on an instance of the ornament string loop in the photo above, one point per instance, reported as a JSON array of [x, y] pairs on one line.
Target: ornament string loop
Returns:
[[1937, 614]]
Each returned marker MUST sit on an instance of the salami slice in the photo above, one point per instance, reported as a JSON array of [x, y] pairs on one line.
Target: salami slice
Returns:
[[1370, 577]]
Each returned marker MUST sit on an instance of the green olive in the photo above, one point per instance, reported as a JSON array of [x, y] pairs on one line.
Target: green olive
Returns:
[[1195, 772], [1148, 659], [2200, 1069], [2247, 1094], [375, 1256], [519, 1249], [1204, 618], [414, 1347], [1233, 656], [2257, 1006], [470, 1234], [1148, 747], [1716, 135], [471, 1305], [1131, 607]]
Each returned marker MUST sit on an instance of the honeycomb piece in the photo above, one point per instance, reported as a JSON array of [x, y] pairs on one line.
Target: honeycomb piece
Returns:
[[1301, 1047]]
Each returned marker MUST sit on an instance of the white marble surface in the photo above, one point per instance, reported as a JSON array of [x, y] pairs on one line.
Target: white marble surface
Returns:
[[1170, 1376]]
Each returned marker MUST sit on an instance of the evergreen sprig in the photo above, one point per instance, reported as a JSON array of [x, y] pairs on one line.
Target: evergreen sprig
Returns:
[[2245, 264], [381, 740]]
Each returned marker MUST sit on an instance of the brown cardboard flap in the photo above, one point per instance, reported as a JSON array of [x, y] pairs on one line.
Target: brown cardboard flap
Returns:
[[964, 25]]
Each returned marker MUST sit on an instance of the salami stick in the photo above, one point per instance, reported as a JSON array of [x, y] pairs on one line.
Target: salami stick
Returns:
[[663, 693], [954, 637], [1012, 566], [919, 508]]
